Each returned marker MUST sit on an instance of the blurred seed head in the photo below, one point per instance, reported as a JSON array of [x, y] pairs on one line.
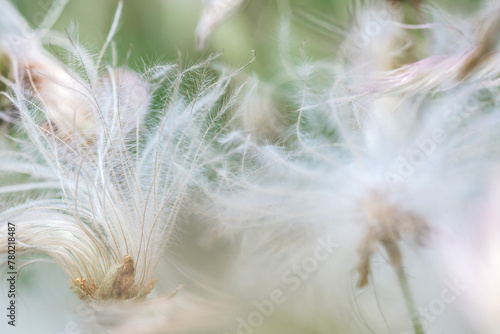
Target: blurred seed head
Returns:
[[213, 15]]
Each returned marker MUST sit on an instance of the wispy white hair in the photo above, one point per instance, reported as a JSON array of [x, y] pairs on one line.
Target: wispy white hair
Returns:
[[124, 176], [384, 149]]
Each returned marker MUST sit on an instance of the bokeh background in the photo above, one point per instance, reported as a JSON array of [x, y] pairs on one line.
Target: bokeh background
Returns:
[[158, 29]]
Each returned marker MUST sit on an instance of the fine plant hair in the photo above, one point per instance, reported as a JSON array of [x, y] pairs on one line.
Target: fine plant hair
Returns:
[[349, 198], [376, 132], [122, 177]]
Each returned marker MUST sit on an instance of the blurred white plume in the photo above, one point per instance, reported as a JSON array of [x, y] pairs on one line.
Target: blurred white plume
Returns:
[[343, 210]]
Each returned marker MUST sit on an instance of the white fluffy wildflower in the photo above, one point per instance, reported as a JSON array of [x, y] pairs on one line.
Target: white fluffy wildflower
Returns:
[[343, 224], [118, 186], [382, 165]]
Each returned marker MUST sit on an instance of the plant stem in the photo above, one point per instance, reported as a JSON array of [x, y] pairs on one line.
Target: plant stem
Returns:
[[410, 303]]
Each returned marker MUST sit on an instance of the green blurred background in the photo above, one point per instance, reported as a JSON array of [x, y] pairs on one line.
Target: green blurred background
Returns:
[[157, 29]]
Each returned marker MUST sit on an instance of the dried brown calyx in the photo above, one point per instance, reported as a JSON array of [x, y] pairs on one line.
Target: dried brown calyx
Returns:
[[387, 223], [118, 284]]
